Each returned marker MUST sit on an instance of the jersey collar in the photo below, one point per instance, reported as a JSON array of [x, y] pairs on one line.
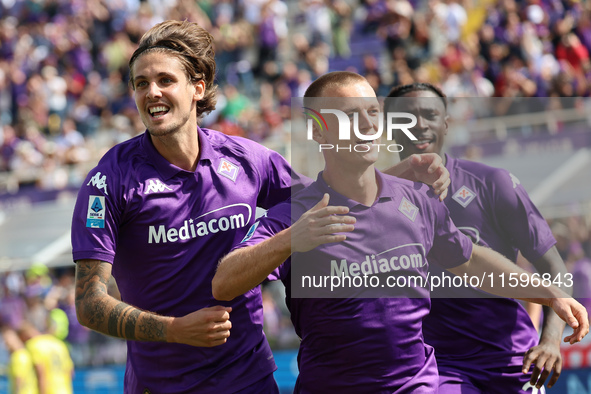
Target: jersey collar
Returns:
[[166, 169], [386, 192]]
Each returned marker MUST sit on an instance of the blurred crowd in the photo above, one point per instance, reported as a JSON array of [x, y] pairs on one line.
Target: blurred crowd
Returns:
[[573, 241], [64, 96], [506, 48], [43, 299], [65, 100]]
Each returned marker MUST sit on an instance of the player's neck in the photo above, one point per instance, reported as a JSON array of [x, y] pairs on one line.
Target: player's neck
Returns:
[[358, 185], [179, 148]]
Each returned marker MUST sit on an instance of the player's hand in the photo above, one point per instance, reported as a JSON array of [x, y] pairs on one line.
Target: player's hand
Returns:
[[428, 168], [574, 314], [206, 327], [319, 226], [546, 359]]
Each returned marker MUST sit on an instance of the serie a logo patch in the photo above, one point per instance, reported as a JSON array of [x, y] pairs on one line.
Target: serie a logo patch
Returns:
[[95, 216]]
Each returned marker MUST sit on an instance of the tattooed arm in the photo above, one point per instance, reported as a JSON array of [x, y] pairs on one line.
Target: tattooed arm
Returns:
[[101, 312]]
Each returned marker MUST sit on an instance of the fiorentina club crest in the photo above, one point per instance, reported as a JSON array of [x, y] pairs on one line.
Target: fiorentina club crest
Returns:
[[229, 170], [408, 209], [464, 196]]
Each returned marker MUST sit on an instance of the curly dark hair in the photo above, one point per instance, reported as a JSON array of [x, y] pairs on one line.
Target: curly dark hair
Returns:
[[401, 90], [193, 46]]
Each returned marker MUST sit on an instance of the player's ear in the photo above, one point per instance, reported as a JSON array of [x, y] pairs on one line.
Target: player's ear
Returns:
[[317, 134], [199, 90], [446, 120]]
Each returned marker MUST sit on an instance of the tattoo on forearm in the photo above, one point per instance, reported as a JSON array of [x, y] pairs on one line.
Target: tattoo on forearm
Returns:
[[91, 282], [151, 329], [117, 314], [97, 311], [131, 323], [100, 312]]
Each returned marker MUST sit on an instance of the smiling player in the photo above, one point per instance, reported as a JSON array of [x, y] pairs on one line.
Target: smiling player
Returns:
[[485, 345]]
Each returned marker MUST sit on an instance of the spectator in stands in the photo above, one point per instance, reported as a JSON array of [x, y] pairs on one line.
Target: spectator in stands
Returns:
[[52, 50], [8, 148], [12, 305], [70, 144]]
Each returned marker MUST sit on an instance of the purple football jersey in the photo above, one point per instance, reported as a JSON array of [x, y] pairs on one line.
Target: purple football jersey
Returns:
[[369, 345], [491, 207], [164, 230]]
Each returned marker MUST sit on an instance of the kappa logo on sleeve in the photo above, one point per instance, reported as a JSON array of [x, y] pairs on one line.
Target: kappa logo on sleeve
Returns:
[[95, 217], [98, 181], [464, 196], [229, 170], [408, 209], [514, 180]]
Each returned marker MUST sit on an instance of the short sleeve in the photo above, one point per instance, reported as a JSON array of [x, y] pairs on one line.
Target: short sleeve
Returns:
[[97, 216], [278, 180], [450, 246], [518, 217]]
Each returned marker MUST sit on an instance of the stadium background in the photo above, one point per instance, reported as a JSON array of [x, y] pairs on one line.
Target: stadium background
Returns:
[[64, 101]]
